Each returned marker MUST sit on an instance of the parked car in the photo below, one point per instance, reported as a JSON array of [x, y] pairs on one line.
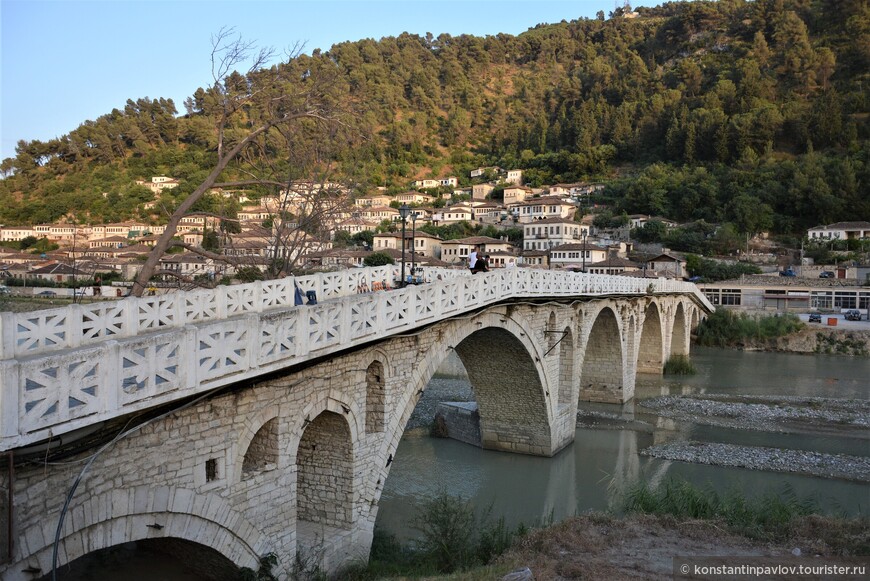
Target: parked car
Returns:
[[826, 274], [4, 290], [815, 318], [853, 315], [787, 272], [46, 293]]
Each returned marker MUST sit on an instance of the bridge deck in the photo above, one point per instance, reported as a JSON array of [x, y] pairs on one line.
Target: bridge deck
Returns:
[[67, 368]]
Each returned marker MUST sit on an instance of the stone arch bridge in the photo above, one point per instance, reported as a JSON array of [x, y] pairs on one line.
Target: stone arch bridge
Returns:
[[227, 424]]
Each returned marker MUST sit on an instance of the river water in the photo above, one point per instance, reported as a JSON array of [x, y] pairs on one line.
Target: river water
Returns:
[[588, 474]]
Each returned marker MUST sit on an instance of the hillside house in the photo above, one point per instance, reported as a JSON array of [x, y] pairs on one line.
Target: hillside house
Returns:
[[542, 208], [481, 191], [674, 266], [612, 265], [424, 244], [159, 183], [355, 226], [516, 194], [452, 215], [552, 232], [840, 231], [373, 201], [514, 176], [456, 251], [574, 255], [379, 213], [413, 198]]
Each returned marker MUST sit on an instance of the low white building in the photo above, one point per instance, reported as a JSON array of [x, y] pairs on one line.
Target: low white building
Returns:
[[574, 255], [840, 231]]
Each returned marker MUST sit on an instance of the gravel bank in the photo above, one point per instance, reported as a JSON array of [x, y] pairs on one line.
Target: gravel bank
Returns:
[[771, 459], [772, 414]]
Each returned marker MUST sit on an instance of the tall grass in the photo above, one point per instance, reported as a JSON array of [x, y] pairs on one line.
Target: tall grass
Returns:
[[767, 516], [724, 328]]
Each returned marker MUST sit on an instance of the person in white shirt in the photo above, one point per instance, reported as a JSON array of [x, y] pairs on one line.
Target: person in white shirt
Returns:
[[472, 258]]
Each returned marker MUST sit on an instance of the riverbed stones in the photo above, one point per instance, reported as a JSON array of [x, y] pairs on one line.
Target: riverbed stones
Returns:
[[843, 466]]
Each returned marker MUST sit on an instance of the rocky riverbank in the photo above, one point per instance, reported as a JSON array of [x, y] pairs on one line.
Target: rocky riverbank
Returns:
[[810, 340], [786, 414], [772, 459]]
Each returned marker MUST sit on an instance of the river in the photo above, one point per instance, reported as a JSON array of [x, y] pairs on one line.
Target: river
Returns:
[[587, 474]]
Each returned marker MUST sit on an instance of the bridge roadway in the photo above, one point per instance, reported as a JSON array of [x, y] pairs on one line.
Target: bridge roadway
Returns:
[[299, 409]]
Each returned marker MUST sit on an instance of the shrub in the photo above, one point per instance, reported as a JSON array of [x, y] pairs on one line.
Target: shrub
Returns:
[[725, 329], [679, 365], [377, 259]]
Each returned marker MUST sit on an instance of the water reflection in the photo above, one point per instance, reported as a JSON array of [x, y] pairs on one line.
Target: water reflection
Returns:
[[589, 474]]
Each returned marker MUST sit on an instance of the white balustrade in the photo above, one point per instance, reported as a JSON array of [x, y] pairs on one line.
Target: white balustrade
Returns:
[[62, 369]]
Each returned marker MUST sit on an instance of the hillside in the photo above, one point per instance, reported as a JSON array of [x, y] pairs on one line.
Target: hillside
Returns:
[[749, 112]]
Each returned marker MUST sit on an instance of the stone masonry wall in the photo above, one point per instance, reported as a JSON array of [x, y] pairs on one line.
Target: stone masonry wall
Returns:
[[462, 421]]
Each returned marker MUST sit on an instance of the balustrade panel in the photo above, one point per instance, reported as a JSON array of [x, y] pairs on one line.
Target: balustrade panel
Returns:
[[222, 349], [41, 330], [61, 388], [149, 367], [200, 306], [324, 325], [363, 317]]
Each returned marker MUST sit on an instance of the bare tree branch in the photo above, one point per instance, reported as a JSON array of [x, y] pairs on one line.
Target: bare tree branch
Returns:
[[245, 110]]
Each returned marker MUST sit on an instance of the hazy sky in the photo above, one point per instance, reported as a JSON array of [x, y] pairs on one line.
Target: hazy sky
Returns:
[[68, 61]]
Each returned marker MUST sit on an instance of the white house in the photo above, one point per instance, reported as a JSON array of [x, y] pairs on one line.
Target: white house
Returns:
[[541, 208], [515, 176], [552, 232], [574, 255], [840, 231]]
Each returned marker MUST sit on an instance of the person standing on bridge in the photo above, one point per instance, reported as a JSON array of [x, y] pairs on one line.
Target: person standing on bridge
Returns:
[[472, 258]]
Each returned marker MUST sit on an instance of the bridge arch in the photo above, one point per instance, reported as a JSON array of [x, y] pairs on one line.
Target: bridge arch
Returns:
[[204, 519], [602, 374], [650, 357], [504, 366], [679, 334], [568, 380], [262, 451], [324, 472]]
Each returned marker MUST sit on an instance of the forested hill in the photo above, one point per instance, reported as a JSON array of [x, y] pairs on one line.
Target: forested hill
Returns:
[[750, 112]]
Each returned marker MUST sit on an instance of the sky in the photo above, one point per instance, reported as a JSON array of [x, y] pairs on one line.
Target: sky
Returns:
[[63, 62]]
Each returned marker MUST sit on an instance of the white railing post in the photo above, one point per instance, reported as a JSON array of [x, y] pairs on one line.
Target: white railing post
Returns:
[[257, 285], [110, 376], [9, 398], [73, 325], [131, 316], [8, 327]]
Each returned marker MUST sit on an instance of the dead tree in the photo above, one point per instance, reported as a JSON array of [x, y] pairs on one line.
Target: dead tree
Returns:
[[251, 114]]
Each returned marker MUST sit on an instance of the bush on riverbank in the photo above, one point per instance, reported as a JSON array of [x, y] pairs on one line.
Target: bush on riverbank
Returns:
[[724, 328], [679, 365], [453, 538]]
